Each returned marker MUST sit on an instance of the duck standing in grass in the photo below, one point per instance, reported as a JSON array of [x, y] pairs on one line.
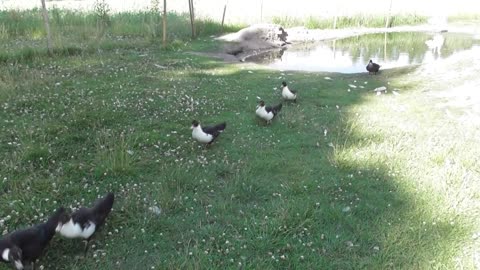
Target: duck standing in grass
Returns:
[[267, 113], [372, 67], [27, 245], [287, 93], [84, 222], [206, 134]]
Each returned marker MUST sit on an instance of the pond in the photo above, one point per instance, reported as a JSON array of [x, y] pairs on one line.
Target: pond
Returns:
[[351, 55]]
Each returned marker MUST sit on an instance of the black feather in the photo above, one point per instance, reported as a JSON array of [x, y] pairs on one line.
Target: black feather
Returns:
[[274, 109], [32, 241], [215, 130], [373, 67], [96, 214]]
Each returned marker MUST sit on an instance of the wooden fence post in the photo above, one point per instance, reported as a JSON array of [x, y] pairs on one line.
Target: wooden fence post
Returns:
[[164, 23], [387, 23], [192, 17], [47, 27], [223, 16]]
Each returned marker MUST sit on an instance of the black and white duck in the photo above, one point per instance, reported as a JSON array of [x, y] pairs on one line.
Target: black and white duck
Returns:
[[206, 134], [267, 113], [27, 245], [372, 67], [287, 93], [84, 222]]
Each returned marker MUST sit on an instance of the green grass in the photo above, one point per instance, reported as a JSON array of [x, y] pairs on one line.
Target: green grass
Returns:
[[466, 17], [359, 20], [390, 185], [22, 34]]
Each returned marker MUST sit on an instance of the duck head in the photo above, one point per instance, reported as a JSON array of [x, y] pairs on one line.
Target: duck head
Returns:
[[284, 84], [195, 124]]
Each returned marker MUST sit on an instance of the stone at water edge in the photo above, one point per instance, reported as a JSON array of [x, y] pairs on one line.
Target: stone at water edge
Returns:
[[380, 90]]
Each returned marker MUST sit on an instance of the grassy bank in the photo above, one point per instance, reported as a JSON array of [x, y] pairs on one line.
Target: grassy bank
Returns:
[[340, 180], [22, 33], [360, 20], [332, 183]]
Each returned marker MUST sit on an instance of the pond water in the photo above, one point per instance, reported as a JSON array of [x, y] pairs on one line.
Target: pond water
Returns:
[[351, 55]]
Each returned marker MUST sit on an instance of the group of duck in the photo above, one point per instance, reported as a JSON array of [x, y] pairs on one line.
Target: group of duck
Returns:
[[208, 134], [27, 245]]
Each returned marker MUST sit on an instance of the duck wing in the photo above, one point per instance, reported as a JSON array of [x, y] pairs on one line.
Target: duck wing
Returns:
[[373, 67], [32, 241], [215, 130], [274, 109], [82, 216]]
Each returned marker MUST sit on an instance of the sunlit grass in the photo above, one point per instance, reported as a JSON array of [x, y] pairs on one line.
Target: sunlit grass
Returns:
[[466, 17], [360, 20]]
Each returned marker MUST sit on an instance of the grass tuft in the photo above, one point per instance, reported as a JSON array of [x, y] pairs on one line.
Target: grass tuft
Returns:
[[360, 20]]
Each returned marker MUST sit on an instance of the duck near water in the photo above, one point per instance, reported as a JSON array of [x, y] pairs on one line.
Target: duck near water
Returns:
[[206, 134], [267, 113], [84, 222], [27, 245], [287, 93], [372, 67]]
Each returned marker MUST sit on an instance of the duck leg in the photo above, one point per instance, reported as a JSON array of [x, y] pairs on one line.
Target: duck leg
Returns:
[[87, 244]]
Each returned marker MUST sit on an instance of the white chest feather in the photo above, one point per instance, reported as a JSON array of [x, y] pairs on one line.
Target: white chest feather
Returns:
[[287, 94], [73, 230], [262, 113], [5, 254], [201, 136]]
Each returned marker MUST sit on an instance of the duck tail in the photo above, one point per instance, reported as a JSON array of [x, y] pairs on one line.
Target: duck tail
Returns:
[[105, 204], [277, 108], [221, 127]]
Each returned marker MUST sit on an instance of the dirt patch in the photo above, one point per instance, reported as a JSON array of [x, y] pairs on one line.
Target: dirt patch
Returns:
[[254, 39]]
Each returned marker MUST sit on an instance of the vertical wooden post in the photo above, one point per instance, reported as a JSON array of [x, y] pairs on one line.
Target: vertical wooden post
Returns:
[[164, 23], [387, 23], [223, 16], [192, 17], [47, 27], [385, 48], [261, 11]]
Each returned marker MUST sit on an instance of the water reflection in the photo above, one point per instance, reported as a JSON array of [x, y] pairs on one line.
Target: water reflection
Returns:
[[351, 55]]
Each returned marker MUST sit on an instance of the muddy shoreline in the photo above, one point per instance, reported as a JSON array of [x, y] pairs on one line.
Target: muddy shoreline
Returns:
[[298, 35]]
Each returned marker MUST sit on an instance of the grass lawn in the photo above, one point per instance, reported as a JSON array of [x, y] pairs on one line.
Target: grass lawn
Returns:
[[340, 180]]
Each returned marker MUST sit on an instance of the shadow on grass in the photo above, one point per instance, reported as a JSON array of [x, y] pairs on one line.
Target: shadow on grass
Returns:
[[298, 194]]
